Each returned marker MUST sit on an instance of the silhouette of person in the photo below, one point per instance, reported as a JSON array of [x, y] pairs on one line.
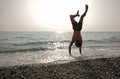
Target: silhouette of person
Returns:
[[77, 27]]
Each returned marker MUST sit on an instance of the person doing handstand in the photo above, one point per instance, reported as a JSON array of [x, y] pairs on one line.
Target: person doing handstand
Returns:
[[77, 27]]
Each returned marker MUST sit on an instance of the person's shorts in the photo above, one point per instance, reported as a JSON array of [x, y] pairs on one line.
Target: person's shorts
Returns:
[[77, 26]]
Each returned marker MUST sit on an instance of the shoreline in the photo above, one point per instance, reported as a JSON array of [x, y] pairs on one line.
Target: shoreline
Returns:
[[58, 55], [101, 68]]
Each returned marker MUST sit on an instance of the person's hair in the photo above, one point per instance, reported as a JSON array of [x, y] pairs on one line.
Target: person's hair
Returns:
[[78, 43]]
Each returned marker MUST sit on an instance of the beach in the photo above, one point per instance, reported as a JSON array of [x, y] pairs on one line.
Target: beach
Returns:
[[101, 68], [44, 55]]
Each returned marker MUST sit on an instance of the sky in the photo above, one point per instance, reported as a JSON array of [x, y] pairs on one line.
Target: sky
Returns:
[[53, 15]]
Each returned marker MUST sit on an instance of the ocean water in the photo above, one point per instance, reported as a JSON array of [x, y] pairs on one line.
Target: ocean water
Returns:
[[46, 47]]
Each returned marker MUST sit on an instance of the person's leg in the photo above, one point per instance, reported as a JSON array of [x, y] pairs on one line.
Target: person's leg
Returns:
[[84, 14], [73, 16]]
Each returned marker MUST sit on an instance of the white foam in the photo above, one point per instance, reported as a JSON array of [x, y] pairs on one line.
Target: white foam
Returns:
[[58, 55]]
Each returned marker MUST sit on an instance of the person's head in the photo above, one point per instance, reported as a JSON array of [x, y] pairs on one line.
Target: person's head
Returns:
[[78, 43]]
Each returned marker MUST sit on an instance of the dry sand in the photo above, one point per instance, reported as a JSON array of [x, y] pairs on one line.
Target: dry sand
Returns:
[[104, 68]]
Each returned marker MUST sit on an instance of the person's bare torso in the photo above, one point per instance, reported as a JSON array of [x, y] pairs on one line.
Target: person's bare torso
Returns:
[[77, 36]]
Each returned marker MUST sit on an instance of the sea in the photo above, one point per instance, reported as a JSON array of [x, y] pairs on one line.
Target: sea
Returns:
[[18, 48]]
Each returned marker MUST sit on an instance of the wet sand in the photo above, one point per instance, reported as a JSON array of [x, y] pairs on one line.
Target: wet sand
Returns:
[[102, 68]]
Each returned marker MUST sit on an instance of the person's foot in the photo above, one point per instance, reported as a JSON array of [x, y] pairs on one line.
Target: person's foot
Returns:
[[86, 6], [78, 13]]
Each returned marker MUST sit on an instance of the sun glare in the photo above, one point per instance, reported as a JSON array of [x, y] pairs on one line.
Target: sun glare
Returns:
[[54, 14]]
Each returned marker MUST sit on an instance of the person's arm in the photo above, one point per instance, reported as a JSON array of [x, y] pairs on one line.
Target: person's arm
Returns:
[[80, 50], [71, 43], [84, 14], [73, 16]]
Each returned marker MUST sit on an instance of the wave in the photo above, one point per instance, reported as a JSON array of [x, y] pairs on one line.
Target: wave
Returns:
[[28, 43], [25, 50], [113, 39], [33, 46], [52, 45], [108, 40], [38, 43], [23, 42]]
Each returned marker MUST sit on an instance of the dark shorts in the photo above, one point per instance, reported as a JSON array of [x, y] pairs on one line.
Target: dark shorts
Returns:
[[77, 26]]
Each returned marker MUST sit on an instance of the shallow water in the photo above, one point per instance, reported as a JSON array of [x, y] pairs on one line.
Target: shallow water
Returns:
[[17, 48], [57, 56]]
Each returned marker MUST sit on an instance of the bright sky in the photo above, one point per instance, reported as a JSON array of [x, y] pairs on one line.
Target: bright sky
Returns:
[[53, 15]]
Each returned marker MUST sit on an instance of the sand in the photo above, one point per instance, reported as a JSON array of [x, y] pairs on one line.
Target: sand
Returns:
[[102, 68]]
